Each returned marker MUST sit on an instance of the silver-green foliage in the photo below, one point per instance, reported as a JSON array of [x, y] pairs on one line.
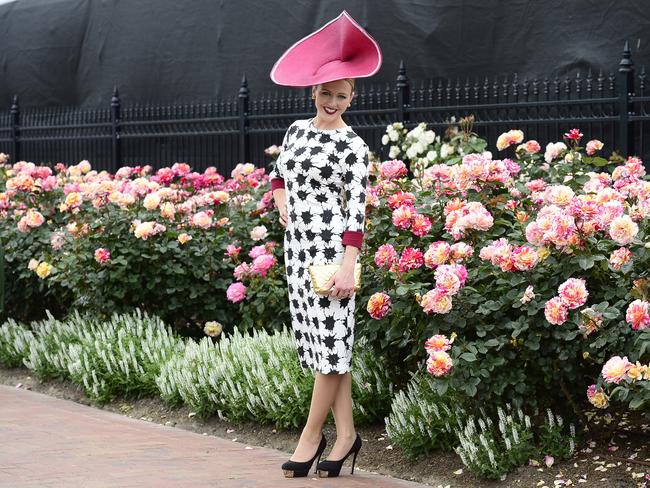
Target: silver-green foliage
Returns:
[[241, 377], [421, 420], [48, 350], [15, 340], [121, 356], [259, 377], [492, 452]]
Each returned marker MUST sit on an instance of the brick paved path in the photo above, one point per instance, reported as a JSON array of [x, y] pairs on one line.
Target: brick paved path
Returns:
[[48, 442]]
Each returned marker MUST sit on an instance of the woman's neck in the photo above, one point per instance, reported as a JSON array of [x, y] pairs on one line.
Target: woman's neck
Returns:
[[337, 124]]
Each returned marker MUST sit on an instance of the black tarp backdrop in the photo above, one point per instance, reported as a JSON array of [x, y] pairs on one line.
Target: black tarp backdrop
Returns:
[[72, 52]]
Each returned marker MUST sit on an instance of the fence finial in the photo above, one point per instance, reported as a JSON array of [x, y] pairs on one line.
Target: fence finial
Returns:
[[243, 88], [401, 74], [626, 61]]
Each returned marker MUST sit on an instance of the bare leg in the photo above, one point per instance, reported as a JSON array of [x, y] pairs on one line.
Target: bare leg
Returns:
[[342, 410], [326, 387]]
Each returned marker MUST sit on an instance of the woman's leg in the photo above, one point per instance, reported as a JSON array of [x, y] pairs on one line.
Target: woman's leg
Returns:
[[342, 410], [326, 387]]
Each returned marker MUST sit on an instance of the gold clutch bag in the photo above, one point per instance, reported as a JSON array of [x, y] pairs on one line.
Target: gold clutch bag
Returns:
[[321, 273]]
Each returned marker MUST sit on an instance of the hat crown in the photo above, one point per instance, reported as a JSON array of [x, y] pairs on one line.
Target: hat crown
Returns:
[[339, 49]]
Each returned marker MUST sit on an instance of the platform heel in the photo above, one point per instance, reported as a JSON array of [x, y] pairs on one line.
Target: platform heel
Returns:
[[295, 469], [331, 469]]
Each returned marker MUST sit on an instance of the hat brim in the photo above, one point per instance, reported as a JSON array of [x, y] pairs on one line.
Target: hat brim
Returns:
[[340, 49]]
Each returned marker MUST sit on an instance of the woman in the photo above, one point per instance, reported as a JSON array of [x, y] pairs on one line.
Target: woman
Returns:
[[318, 186]]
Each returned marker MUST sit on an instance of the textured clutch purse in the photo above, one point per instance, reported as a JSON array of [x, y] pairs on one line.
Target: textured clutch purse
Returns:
[[321, 273]]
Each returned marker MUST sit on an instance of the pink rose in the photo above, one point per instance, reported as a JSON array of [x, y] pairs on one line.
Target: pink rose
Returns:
[[236, 292]]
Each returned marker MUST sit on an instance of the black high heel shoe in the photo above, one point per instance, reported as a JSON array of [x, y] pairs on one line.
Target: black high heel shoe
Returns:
[[331, 469], [295, 469]]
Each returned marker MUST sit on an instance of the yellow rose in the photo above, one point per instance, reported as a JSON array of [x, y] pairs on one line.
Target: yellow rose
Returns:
[[635, 372], [213, 328], [151, 201], [43, 269], [73, 199]]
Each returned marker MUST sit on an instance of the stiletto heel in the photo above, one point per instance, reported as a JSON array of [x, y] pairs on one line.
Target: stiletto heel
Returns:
[[331, 469], [295, 469]]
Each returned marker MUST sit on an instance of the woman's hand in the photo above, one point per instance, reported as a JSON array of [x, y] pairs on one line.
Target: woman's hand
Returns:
[[279, 197], [341, 284], [283, 214]]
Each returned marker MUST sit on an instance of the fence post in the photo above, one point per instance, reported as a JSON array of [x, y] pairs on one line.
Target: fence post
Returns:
[[625, 106], [117, 148], [243, 120], [403, 101], [403, 94], [15, 131]]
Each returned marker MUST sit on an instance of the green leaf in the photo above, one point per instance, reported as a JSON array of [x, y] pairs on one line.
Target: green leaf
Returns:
[[468, 356], [585, 261], [599, 161], [402, 290], [636, 403]]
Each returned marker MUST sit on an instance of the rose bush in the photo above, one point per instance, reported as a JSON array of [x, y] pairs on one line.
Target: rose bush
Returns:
[[526, 264], [162, 242], [529, 260]]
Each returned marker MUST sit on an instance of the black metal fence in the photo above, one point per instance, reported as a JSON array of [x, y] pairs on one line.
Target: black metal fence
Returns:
[[612, 107]]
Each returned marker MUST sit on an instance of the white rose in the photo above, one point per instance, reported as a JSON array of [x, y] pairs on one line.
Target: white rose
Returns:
[[446, 150], [411, 152], [385, 139], [258, 233], [415, 133], [432, 155], [394, 151], [553, 150], [429, 137]]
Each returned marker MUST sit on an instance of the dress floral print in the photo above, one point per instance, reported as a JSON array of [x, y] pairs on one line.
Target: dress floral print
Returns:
[[324, 174]]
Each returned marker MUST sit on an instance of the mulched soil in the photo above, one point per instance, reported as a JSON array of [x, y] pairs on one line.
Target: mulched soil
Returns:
[[618, 455]]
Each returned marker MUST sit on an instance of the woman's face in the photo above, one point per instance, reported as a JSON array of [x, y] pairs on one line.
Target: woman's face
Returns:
[[332, 99]]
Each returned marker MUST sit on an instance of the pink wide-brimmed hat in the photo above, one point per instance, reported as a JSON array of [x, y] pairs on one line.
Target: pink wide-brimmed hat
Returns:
[[340, 49]]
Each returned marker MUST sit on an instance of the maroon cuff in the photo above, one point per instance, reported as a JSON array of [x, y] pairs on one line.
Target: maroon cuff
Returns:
[[352, 238], [277, 183]]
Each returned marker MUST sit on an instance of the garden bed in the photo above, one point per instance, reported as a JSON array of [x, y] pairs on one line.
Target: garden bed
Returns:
[[600, 464]]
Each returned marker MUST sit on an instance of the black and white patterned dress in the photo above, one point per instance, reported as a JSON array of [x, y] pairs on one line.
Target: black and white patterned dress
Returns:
[[324, 173]]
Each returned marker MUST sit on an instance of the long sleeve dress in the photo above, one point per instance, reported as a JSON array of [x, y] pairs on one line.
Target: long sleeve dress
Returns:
[[324, 173]]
